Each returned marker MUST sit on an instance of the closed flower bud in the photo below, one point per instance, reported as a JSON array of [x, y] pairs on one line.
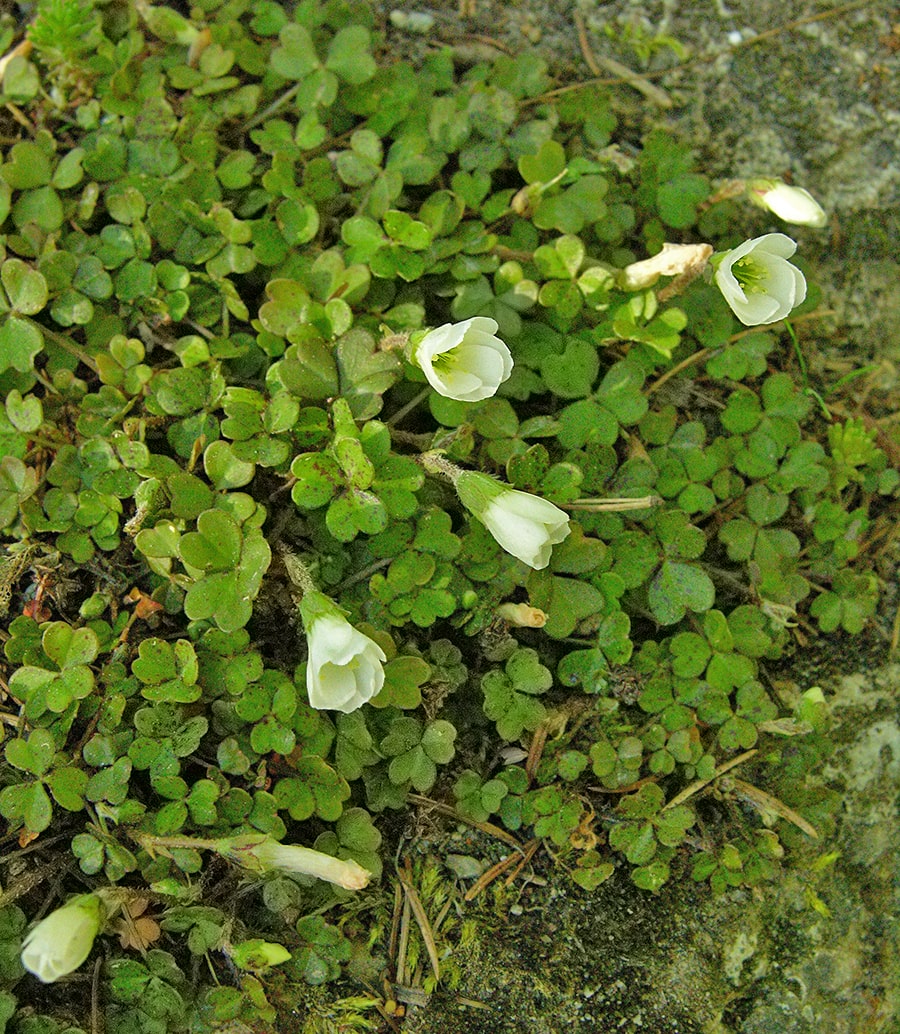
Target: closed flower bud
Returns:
[[758, 282], [63, 940], [792, 204], [262, 854], [464, 361], [344, 670], [524, 525]]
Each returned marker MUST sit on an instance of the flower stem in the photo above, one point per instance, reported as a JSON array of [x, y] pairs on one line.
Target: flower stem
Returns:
[[409, 407], [437, 463]]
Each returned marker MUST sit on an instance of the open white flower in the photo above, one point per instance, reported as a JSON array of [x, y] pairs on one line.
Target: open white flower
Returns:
[[464, 361], [792, 204], [63, 940], [344, 670], [523, 524], [757, 280], [262, 854]]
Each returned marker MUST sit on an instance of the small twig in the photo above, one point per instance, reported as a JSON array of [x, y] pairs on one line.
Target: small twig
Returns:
[[408, 408], [766, 802], [395, 922], [530, 850], [699, 784], [276, 105], [485, 827], [403, 942], [489, 875], [695, 357], [418, 911], [362, 575], [536, 749], [613, 505], [597, 65]]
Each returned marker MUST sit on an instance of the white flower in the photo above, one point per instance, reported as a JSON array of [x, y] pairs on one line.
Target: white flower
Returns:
[[758, 282], [63, 940], [344, 669], [673, 260], [524, 525], [262, 854], [792, 204], [464, 361]]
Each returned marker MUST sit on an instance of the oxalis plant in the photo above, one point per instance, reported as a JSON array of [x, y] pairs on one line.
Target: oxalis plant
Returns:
[[369, 431]]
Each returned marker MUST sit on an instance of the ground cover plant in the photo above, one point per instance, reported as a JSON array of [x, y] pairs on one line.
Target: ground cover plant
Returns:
[[371, 432]]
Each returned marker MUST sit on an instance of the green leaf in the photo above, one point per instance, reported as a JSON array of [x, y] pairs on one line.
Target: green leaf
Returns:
[[349, 55], [25, 288], [296, 56], [20, 342], [677, 588]]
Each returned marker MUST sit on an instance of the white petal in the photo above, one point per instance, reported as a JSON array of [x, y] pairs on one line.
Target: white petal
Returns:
[[522, 538], [774, 244], [485, 362], [329, 686], [481, 323], [462, 386], [533, 507]]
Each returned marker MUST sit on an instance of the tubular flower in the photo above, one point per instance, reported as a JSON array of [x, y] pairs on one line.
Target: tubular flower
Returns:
[[758, 282], [792, 204], [63, 940], [464, 361], [345, 667], [524, 525], [262, 854]]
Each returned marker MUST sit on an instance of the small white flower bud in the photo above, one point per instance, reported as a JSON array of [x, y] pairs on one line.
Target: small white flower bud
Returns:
[[523, 524], [344, 670], [792, 204], [63, 940], [262, 854]]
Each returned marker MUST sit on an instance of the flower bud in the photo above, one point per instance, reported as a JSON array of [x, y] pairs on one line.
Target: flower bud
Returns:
[[344, 670], [792, 204], [523, 524], [63, 940], [262, 854]]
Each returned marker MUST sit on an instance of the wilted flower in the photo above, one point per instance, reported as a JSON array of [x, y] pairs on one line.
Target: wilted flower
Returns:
[[63, 940], [464, 361], [524, 525], [792, 204], [673, 260], [758, 282], [262, 854], [344, 670], [521, 615]]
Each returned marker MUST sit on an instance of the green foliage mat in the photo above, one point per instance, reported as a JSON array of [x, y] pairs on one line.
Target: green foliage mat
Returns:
[[215, 233]]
